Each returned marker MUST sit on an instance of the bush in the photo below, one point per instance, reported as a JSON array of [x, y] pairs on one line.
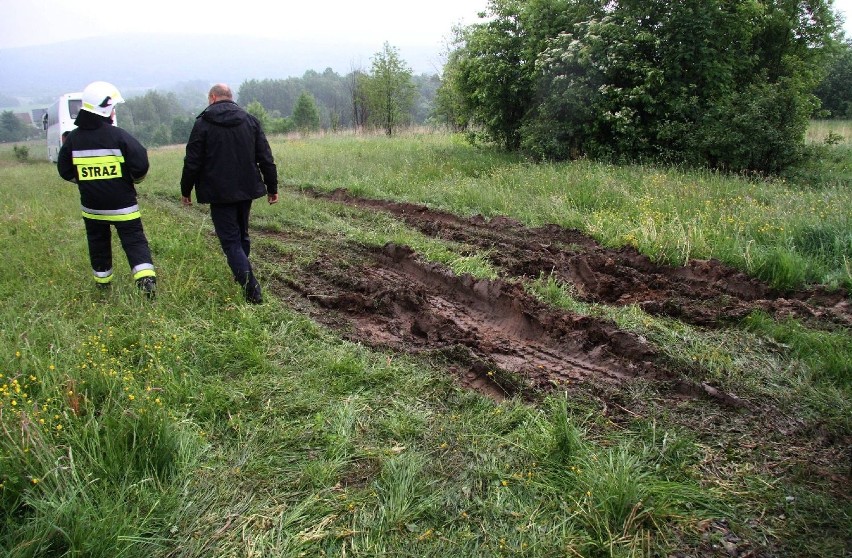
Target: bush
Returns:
[[22, 153], [720, 84]]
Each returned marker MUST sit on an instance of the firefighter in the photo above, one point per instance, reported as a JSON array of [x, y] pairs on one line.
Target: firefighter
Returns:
[[106, 162]]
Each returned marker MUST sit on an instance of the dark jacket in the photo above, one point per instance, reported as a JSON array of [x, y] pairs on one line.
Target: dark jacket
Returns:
[[104, 161], [228, 158]]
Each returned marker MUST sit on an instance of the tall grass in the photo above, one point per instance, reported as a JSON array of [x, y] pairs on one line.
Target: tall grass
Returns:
[[838, 132], [780, 231], [195, 425]]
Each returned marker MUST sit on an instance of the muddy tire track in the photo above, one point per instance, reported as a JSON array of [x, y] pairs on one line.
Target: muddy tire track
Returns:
[[499, 339], [703, 292]]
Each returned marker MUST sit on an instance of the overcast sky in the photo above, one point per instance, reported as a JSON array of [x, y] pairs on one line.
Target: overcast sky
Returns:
[[845, 8], [424, 22]]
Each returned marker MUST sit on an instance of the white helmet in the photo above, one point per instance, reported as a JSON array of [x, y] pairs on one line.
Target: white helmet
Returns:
[[100, 98]]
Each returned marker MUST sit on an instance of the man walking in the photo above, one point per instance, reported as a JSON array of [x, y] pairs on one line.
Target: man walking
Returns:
[[229, 163], [106, 162]]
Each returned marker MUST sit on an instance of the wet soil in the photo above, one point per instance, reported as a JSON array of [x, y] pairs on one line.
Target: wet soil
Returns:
[[703, 292], [500, 339]]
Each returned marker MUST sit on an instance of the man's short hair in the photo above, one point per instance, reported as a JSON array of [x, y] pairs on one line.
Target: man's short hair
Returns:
[[222, 91]]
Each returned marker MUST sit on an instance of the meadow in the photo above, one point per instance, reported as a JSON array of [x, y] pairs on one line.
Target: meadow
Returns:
[[195, 425]]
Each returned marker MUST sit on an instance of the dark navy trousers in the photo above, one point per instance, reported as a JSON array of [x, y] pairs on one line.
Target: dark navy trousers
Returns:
[[231, 221], [133, 241]]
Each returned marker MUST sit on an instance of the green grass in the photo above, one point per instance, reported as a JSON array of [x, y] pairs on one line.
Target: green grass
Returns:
[[199, 426]]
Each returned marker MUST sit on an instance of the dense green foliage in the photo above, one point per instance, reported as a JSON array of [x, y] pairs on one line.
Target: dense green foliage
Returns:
[[835, 90], [306, 117], [157, 118], [271, 124], [280, 96], [722, 84], [13, 129], [347, 101]]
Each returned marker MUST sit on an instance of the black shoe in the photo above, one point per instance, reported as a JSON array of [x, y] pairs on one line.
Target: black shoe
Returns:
[[251, 288], [254, 296], [148, 285]]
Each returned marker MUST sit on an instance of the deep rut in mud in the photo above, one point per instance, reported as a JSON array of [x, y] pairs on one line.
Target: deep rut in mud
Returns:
[[703, 292], [500, 339], [507, 339]]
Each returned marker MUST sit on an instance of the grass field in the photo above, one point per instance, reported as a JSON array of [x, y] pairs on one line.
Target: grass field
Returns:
[[198, 426]]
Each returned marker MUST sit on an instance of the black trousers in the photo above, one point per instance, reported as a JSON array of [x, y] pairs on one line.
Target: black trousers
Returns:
[[231, 222], [133, 241]]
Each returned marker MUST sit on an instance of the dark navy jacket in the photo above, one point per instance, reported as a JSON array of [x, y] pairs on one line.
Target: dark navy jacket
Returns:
[[228, 158]]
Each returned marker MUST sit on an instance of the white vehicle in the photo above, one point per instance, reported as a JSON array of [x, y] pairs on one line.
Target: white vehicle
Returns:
[[59, 120]]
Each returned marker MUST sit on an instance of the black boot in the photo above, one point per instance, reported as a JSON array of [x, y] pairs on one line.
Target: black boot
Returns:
[[148, 285], [251, 288]]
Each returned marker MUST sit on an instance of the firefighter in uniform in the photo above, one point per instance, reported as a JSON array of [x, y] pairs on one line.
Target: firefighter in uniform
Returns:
[[106, 162]]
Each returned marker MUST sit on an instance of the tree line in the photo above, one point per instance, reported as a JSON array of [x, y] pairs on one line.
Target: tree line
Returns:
[[386, 97], [727, 84]]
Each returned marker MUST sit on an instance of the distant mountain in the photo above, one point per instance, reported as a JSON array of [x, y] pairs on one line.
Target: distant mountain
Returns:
[[138, 62]]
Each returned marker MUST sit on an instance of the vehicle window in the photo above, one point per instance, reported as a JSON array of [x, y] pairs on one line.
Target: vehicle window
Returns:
[[74, 106]]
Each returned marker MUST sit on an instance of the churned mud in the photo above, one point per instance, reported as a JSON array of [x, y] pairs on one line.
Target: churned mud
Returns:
[[494, 328], [703, 292], [501, 340]]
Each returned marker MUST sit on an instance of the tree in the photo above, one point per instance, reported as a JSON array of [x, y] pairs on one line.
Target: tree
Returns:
[[494, 71], [257, 110], [273, 94], [11, 127], [835, 90], [181, 128], [328, 89], [389, 90], [280, 125], [426, 87], [450, 107], [723, 83], [150, 117], [356, 82], [306, 116]]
